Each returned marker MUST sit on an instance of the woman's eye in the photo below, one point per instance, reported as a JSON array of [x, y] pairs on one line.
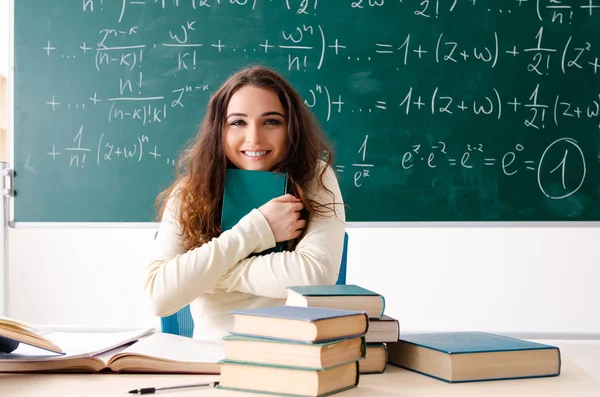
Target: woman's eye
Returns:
[[273, 122], [237, 122]]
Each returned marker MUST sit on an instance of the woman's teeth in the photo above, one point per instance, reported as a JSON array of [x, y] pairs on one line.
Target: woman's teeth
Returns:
[[255, 154]]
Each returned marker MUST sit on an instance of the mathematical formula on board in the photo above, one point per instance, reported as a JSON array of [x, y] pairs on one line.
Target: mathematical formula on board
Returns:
[[560, 10], [122, 49], [477, 155]]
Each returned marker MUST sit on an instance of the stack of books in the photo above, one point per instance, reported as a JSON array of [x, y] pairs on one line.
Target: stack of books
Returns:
[[382, 328], [298, 351]]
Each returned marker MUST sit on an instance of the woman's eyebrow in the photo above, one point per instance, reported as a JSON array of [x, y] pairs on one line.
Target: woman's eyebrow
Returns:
[[237, 114], [272, 114]]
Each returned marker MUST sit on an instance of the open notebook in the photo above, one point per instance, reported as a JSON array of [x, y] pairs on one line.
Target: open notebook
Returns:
[[138, 351]]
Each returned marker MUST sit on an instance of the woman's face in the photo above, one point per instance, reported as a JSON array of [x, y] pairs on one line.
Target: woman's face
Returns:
[[255, 131]]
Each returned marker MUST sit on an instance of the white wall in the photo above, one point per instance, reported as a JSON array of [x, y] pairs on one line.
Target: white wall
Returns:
[[499, 279], [4, 35], [87, 278]]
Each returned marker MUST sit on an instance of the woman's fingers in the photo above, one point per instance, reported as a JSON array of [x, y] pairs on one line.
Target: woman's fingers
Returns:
[[297, 207], [301, 224], [287, 198]]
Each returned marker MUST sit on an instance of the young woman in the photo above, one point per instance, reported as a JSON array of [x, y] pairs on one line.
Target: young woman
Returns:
[[255, 121]]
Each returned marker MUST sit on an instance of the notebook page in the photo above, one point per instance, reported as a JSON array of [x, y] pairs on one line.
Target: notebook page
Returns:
[[76, 344], [178, 348]]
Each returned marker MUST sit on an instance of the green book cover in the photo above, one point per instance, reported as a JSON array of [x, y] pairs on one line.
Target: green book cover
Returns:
[[309, 314], [246, 190], [302, 314], [471, 342], [336, 290], [332, 290]]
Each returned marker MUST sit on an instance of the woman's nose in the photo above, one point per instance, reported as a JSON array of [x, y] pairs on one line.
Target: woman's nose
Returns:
[[253, 134]]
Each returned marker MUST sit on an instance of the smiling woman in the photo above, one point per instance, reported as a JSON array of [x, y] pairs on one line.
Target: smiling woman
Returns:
[[256, 129], [254, 121]]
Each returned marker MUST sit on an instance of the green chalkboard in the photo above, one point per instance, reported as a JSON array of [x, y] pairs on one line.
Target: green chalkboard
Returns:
[[438, 110]]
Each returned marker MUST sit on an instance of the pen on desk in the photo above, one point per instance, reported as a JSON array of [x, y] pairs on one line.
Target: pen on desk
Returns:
[[151, 390]]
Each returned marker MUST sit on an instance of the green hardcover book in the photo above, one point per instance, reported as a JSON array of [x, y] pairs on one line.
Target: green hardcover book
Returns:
[[344, 297], [315, 356], [288, 381], [299, 324], [246, 190], [473, 356]]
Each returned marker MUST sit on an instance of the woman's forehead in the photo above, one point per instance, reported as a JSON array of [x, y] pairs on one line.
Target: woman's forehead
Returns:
[[254, 100]]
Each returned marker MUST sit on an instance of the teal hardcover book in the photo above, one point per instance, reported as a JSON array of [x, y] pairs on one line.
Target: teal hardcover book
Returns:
[[300, 324], [288, 381], [274, 352], [346, 297], [474, 356], [246, 190]]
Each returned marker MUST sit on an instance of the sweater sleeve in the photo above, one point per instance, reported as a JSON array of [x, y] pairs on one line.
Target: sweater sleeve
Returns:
[[316, 259], [174, 277]]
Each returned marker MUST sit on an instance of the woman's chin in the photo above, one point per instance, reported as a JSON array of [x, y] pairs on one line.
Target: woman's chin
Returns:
[[256, 167], [252, 164]]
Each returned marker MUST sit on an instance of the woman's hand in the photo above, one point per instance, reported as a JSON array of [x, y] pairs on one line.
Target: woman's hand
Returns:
[[283, 215]]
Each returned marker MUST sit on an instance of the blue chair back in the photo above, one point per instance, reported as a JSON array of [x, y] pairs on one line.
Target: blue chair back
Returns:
[[342, 274], [182, 323], [178, 323]]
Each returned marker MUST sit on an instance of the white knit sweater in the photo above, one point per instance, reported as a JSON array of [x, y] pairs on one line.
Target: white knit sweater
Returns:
[[219, 277]]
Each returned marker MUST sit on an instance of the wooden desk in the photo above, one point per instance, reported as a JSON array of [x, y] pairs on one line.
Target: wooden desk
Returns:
[[395, 382]]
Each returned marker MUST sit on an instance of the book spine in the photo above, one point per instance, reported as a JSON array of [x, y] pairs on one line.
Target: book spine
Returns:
[[366, 323], [382, 306], [386, 356], [363, 348]]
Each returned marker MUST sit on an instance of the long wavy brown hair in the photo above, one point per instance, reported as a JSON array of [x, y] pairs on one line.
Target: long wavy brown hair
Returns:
[[200, 171]]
